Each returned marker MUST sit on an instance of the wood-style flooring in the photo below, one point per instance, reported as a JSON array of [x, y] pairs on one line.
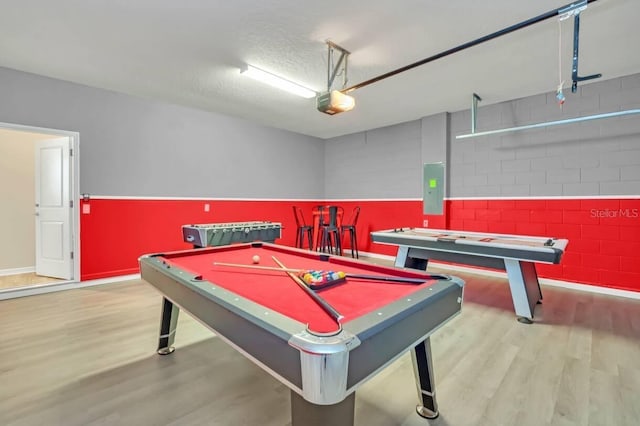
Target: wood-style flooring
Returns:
[[87, 357], [25, 280]]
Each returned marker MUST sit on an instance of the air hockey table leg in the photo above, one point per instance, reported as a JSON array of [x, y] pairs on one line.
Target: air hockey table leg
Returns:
[[525, 288]]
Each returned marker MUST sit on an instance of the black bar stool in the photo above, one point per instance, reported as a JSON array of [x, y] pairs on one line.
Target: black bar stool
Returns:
[[350, 227], [330, 233], [302, 229]]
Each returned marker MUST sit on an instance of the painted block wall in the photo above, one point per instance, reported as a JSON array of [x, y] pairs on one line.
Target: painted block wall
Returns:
[[592, 158], [129, 161], [116, 232], [579, 181], [604, 234], [378, 163]]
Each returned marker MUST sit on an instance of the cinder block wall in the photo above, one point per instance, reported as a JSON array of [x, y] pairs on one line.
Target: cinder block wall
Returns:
[[578, 181], [591, 158]]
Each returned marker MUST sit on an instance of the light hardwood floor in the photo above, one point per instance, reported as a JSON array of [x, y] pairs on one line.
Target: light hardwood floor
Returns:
[[25, 280], [87, 357]]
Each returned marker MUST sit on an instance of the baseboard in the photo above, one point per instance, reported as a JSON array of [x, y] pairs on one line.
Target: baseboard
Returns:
[[591, 288], [109, 274], [543, 281], [16, 271]]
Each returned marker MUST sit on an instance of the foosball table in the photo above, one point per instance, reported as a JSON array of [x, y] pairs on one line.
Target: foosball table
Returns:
[[222, 234]]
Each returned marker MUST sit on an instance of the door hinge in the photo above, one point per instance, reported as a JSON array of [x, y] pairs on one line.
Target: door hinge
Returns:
[[71, 203], [71, 255], [70, 152]]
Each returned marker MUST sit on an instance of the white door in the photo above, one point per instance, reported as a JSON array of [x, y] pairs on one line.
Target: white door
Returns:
[[53, 209]]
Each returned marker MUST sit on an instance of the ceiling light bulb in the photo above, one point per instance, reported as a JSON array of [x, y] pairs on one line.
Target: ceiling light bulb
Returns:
[[276, 81], [342, 101], [334, 102]]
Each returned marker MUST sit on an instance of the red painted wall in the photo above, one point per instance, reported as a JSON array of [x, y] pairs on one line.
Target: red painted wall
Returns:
[[115, 233], [604, 234]]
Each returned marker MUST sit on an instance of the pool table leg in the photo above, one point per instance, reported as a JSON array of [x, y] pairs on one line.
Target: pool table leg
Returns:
[[168, 325], [525, 288], [423, 370], [305, 413]]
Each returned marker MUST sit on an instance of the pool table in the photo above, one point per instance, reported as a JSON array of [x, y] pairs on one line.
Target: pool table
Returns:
[[272, 320], [516, 254]]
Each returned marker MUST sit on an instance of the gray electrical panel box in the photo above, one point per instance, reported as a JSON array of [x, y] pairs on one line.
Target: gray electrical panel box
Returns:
[[433, 188]]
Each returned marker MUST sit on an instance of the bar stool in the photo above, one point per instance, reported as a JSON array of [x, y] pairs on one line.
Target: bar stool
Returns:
[[317, 220], [302, 229], [330, 233], [350, 227]]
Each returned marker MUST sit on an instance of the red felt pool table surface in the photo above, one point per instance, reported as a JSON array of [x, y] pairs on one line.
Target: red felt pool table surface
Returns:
[[277, 291]]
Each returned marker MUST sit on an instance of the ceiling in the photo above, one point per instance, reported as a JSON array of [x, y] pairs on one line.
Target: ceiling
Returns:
[[189, 52]]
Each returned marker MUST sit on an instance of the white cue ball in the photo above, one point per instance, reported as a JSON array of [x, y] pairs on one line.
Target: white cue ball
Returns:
[[256, 258]]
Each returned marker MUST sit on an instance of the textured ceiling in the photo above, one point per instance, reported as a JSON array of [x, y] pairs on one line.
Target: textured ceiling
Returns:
[[189, 52]]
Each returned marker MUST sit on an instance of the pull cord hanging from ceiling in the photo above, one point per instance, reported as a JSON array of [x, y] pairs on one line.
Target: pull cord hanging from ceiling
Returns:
[[560, 98]]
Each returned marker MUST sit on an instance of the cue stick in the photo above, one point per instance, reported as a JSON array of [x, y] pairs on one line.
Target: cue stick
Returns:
[[319, 300], [266, 268], [347, 275]]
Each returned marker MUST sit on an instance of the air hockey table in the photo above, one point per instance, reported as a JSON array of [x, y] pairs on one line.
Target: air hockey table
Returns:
[[516, 254], [221, 234]]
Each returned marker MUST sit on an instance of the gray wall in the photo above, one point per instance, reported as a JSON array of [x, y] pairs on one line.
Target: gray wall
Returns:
[[137, 147], [380, 163], [600, 157]]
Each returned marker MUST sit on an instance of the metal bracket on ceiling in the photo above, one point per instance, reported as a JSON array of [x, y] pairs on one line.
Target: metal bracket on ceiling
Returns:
[[474, 111], [334, 101], [572, 9], [340, 67], [575, 9]]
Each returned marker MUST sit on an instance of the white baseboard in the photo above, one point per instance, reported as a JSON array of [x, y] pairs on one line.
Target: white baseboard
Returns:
[[16, 271], [543, 281]]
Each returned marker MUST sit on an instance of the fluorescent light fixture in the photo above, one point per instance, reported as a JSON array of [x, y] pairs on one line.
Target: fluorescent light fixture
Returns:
[[278, 82], [334, 102]]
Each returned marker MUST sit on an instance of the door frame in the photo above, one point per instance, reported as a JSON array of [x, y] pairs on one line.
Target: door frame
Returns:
[[74, 181]]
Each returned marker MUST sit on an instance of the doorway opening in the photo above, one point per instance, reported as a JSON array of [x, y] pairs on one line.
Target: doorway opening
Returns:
[[40, 219]]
